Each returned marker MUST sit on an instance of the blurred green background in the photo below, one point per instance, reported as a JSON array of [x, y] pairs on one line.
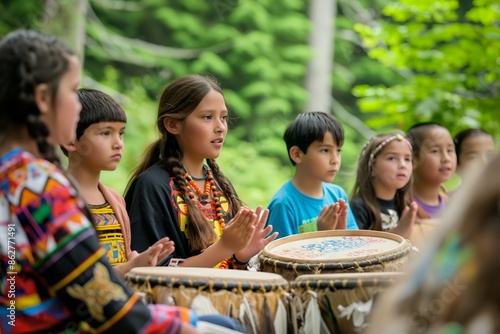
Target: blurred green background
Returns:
[[391, 64]]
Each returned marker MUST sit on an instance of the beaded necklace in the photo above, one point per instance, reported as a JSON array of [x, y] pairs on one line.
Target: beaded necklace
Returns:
[[204, 196]]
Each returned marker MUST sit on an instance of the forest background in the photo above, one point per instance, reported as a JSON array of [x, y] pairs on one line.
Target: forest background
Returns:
[[381, 66]]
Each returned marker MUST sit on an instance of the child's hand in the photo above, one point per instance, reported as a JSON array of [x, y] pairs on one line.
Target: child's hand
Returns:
[[240, 230], [407, 220], [342, 219], [333, 217], [150, 257], [153, 255], [260, 238]]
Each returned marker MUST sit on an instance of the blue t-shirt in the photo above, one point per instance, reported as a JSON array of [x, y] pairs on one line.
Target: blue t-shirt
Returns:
[[291, 212]]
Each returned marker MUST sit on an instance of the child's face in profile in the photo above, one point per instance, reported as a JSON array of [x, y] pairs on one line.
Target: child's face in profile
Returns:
[[322, 160], [101, 145], [63, 119], [475, 150], [437, 160]]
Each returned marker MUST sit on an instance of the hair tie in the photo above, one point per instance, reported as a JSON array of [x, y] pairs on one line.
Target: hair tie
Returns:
[[380, 146]]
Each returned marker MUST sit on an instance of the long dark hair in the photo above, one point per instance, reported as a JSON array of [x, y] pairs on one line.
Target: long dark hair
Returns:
[[27, 59], [177, 101], [363, 187]]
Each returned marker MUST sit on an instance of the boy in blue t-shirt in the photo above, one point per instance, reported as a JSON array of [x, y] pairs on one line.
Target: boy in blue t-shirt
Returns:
[[309, 201]]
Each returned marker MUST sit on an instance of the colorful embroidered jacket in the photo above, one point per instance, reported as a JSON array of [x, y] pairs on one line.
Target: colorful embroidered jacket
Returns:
[[54, 276]]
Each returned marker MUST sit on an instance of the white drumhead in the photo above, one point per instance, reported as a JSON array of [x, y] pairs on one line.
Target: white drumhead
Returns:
[[334, 246]]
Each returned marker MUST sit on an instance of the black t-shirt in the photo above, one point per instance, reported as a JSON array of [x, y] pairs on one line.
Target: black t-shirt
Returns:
[[365, 218], [156, 210]]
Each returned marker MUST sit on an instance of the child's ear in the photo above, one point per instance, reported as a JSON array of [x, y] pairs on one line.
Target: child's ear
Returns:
[[172, 125], [71, 147], [296, 154], [42, 98]]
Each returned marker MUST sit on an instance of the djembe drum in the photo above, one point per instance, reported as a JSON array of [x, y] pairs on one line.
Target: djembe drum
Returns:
[[259, 300], [338, 303], [335, 251]]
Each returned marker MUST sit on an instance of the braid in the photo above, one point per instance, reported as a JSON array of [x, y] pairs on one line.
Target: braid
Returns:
[[29, 59], [38, 130], [234, 200], [199, 230]]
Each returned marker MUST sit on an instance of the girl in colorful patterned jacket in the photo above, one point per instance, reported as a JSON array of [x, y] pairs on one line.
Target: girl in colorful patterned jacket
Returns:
[[54, 275]]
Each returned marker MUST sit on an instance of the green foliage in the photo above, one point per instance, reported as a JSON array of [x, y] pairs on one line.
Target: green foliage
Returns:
[[19, 14], [259, 51], [450, 62]]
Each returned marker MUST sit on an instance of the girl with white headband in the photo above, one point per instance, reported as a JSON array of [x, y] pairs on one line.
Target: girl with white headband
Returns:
[[380, 197]]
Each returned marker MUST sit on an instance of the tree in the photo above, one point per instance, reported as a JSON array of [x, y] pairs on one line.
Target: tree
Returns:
[[258, 50], [66, 19], [448, 52], [321, 40]]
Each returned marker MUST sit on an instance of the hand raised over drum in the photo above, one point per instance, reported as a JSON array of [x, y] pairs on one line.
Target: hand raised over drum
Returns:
[[333, 217], [407, 220], [260, 238], [154, 254], [236, 235], [239, 231], [150, 257]]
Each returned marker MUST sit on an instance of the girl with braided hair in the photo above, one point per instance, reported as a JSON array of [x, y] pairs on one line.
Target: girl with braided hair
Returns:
[[54, 276], [174, 194]]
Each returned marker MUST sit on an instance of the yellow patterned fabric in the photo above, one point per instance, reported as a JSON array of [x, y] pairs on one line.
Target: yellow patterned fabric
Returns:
[[109, 232]]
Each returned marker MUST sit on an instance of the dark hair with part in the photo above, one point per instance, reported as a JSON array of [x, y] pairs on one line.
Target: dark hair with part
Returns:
[[363, 187], [27, 59], [417, 134], [464, 135], [177, 101], [309, 127]]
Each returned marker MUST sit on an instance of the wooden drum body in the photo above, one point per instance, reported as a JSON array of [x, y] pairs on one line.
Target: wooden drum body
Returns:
[[338, 303], [258, 300], [335, 252]]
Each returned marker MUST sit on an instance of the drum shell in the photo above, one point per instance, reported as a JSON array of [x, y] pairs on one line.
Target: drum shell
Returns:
[[333, 291], [225, 289]]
